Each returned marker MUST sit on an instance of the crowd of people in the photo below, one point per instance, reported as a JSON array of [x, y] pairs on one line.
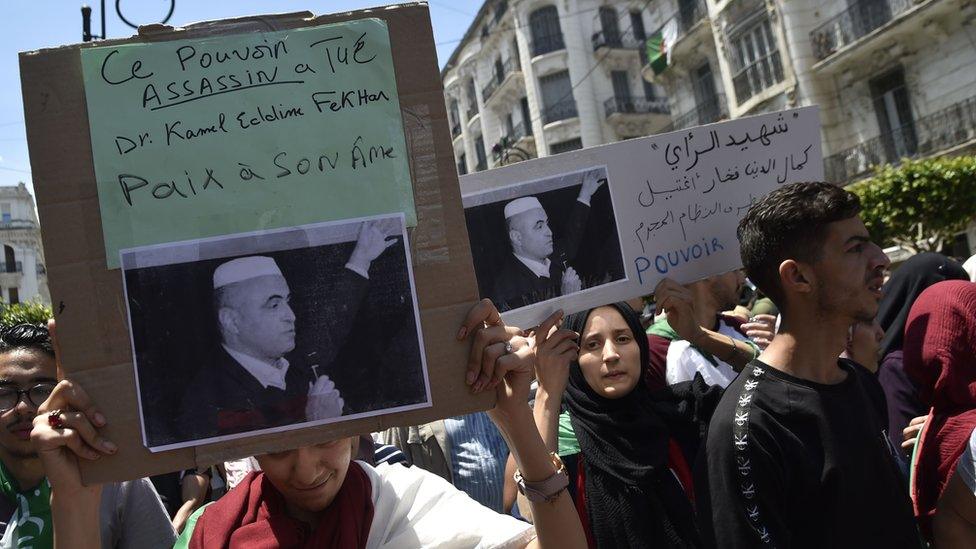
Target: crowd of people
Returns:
[[838, 411]]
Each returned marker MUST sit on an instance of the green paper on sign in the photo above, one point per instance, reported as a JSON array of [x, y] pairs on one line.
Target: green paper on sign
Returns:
[[228, 134]]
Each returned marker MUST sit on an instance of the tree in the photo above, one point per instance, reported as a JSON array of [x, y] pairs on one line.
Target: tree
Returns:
[[919, 204], [29, 312]]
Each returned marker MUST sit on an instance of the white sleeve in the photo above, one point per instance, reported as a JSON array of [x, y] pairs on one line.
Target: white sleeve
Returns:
[[413, 508], [678, 368]]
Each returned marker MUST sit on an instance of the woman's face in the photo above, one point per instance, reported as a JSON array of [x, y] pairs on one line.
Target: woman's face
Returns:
[[309, 477], [609, 355]]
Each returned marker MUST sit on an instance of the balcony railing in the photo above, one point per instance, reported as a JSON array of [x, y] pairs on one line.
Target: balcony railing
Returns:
[[560, 111], [854, 23], [507, 68], [18, 224], [617, 40], [689, 14], [710, 110], [472, 110], [504, 147], [15, 267], [545, 44], [455, 129], [926, 136], [635, 105]]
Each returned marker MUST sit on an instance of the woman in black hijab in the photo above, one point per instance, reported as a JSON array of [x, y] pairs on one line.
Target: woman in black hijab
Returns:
[[624, 433], [898, 294]]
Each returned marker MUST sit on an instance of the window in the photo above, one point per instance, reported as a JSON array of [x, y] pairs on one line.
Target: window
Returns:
[[14, 296], [706, 97], [893, 108], [526, 117], [611, 30], [649, 92], [479, 149], [546, 34], [637, 25], [5, 212], [462, 165], [455, 118], [557, 97], [9, 259], [509, 125], [755, 59], [566, 146], [472, 100], [499, 70]]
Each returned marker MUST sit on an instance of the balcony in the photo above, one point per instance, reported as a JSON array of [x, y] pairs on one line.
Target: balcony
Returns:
[[472, 111], [455, 130], [709, 111], [854, 23], [687, 19], [515, 146], [562, 110], [635, 105], [542, 45], [14, 267], [933, 134], [616, 40], [18, 224], [503, 79], [633, 116]]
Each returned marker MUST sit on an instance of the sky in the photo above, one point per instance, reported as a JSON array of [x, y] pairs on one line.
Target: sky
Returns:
[[38, 24]]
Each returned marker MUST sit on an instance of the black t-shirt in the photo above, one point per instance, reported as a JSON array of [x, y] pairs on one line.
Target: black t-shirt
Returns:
[[792, 463]]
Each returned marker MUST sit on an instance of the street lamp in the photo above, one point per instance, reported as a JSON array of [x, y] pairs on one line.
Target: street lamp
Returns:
[[86, 34]]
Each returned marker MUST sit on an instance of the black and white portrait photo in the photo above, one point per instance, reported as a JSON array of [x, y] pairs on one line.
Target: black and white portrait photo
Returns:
[[542, 239], [273, 330]]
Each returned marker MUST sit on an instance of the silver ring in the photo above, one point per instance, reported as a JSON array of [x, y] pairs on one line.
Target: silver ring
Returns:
[[508, 348]]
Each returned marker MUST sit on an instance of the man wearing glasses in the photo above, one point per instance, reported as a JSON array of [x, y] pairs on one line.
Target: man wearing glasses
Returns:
[[133, 515]]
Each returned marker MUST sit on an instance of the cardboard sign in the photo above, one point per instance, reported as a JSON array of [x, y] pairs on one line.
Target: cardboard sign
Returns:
[[667, 206], [89, 302], [225, 134]]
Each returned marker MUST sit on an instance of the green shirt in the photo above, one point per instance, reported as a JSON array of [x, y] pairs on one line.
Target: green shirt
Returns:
[[566, 437], [184, 540], [30, 525]]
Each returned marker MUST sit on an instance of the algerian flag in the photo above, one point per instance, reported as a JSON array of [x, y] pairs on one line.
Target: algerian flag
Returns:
[[659, 46]]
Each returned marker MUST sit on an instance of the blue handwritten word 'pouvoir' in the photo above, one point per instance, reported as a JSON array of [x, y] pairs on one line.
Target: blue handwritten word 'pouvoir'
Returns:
[[663, 263]]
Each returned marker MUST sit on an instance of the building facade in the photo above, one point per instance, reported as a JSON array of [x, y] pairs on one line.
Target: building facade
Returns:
[[539, 77], [22, 273], [892, 78]]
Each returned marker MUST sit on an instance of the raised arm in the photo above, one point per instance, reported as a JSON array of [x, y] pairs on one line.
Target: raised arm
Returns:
[[556, 521]]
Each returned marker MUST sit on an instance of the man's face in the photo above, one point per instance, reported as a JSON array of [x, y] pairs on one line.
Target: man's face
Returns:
[[309, 477], [865, 343], [850, 272], [534, 238], [22, 369], [727, 287], [262, 318]]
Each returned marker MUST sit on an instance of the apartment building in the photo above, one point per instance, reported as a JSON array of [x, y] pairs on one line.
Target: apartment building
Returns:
[[22, 273], [539, 77]]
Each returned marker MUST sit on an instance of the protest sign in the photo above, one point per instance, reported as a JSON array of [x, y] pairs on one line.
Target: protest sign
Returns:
[[202, 137], [320, 235], [667, 204]]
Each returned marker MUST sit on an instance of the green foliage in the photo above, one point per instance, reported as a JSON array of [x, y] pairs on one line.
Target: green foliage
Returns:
[[29, 312], [919, 204]]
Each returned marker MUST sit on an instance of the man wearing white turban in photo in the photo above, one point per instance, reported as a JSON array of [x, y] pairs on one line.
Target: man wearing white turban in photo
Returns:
[[536, 270], [251, 385]]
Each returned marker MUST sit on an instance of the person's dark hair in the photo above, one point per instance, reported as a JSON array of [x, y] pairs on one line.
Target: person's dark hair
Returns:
[[789, 223], [26, 336]]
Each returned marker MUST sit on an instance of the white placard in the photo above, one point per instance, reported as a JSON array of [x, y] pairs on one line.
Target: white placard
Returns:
[[676, 198]]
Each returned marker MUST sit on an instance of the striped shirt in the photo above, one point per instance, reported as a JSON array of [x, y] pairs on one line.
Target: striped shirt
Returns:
[[478, 456]]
